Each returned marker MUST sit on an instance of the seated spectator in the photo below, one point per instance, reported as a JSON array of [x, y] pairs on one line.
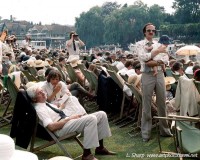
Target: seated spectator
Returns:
[[177, 68], [137, 69], [128, 69], [169, 95], [120, 64], [56, 89], [94, 126]]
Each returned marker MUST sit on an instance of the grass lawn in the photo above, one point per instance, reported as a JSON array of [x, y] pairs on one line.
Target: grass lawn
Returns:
[[127, 147]]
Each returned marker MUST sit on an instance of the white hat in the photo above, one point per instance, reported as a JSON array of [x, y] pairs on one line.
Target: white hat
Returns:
[[8, 151], [75, 63], [73, 58], [60, 158]]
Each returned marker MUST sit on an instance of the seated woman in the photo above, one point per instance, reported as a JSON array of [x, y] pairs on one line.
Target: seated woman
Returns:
[[56, 90], [75, 88]]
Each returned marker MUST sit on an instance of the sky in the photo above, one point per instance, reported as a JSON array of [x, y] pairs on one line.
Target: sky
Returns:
[[61, 11]]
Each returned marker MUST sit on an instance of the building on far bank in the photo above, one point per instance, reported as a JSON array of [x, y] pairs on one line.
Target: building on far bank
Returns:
[[55, 35]]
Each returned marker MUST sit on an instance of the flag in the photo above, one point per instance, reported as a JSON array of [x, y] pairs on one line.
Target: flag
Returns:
[[3, 30], [2, 27]]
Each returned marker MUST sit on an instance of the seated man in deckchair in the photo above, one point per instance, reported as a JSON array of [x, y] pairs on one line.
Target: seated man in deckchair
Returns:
[[94, 126]]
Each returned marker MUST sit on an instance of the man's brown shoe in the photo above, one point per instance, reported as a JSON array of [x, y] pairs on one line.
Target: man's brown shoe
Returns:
[[89, 157], [104, 151]]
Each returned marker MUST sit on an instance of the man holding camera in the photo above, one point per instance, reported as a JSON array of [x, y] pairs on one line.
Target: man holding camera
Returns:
[[73, 45]]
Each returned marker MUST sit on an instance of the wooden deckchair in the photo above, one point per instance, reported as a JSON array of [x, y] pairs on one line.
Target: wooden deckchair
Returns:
[[185, 134], [32, 70], [120, 83], [71, 73], [32, 128], [55, 140], [29, 76], [12, 90]]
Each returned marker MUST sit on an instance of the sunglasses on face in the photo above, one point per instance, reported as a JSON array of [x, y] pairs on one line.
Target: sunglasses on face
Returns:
[[149, 30]]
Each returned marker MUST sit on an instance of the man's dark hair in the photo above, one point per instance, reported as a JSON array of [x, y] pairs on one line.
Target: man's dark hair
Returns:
[[138, 66], [145, 26], [176, 66]]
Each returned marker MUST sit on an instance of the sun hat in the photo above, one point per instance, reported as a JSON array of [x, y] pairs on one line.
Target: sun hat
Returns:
[[8, 151], [72, 58], [135, 79], [168, 82], [60, 158], [40, 63], [75, 63]]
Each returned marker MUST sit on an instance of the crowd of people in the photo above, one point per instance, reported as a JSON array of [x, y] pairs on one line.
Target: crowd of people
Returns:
[[148, 69]]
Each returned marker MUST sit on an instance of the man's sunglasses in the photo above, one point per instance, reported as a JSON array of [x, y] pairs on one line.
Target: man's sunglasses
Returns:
[[149, 30]]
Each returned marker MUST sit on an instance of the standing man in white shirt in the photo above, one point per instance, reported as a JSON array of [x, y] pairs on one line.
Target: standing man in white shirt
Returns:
[[73, 45], [151, 83], [26, 42]]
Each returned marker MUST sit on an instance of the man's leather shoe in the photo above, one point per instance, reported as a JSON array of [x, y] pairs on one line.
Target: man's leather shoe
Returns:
[[104, 151], [89, 157]]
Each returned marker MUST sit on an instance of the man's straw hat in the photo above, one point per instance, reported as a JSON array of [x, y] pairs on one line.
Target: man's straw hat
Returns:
[[168, 82]]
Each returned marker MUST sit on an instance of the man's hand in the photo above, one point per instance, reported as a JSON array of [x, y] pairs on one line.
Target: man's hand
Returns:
[[75, 116], [72, 37]]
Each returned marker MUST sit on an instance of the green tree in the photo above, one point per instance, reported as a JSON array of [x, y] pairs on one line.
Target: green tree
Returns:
[[90, 27], [108, 7], [124, 25], [187, 11]]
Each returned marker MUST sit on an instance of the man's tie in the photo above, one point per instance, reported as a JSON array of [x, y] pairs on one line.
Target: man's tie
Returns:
[[60, 112], [74, 45], [149, 44]]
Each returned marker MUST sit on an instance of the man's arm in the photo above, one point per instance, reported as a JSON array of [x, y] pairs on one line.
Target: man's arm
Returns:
[[81, 43], [69, 42], [55, 91], [59, 125]]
